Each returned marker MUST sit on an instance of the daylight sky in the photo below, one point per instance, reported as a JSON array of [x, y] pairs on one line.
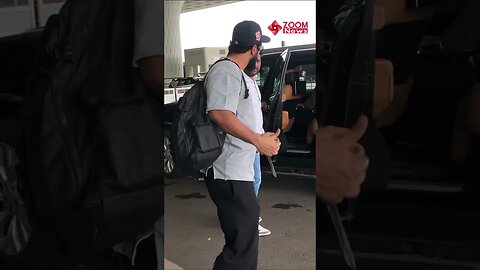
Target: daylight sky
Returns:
[[213, 27]]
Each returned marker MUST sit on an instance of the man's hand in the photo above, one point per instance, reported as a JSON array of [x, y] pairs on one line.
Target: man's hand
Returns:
[[268, 143], [341, 162]]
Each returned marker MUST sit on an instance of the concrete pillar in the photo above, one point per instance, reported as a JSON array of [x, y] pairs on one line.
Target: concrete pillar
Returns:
[[173, 48]]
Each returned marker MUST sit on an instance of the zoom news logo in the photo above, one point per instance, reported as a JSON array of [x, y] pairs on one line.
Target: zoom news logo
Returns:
[[274, 27], [289, 27]]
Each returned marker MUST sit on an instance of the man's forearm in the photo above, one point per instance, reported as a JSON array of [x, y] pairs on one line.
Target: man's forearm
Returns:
[[229, 123]]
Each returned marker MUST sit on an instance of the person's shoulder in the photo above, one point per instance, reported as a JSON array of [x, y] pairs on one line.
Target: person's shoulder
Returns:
[[225, 67], [225, 64]]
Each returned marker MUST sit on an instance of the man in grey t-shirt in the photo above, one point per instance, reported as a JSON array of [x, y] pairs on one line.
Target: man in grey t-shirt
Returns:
[[230, 181]]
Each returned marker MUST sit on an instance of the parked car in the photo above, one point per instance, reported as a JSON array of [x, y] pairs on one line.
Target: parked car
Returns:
[[177, 87], [182, 82]]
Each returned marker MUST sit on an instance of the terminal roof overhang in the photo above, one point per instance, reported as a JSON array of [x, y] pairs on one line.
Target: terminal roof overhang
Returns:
[[192, 5]]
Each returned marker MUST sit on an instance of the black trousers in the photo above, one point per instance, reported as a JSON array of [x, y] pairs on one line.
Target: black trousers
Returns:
[[238, 211]]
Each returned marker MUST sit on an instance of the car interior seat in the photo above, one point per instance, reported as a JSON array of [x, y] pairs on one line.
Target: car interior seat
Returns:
[[400, 30], [383, 78], [290, 99]]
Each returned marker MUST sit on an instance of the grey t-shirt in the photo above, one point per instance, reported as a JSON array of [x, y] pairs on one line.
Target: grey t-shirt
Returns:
[[226, 91], [148, 29]]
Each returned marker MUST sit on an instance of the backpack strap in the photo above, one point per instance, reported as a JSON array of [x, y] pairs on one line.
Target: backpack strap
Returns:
[[243, 79], [247, 94]]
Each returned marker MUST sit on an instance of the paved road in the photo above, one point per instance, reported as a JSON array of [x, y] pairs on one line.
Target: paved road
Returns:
[[193, 237]]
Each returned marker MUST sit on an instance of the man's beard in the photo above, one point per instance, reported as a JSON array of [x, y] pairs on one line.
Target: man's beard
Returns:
[[250, 68]]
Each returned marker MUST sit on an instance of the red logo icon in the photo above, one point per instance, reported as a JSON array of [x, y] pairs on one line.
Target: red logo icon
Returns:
[[258, 36], [274, 27]]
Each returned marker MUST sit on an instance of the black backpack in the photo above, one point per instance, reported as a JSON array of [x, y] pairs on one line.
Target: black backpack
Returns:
[[95, 130], [196, 141]]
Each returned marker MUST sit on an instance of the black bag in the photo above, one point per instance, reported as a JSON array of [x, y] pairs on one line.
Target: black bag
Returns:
[[95, 129], [196, 141]]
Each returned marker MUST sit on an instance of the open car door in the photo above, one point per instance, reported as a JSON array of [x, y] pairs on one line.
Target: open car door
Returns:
[[350, 86], [274, 83], [348, 94], [274, 86]]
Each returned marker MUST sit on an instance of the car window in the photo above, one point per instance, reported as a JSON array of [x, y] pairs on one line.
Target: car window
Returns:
[[278, 76], [262, 76], [310, 76]]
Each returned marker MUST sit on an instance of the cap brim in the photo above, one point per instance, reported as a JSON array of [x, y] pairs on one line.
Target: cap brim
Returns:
[[264, 39]]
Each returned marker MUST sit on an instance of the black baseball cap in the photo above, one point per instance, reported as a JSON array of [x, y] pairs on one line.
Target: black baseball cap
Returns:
[[246, 34]]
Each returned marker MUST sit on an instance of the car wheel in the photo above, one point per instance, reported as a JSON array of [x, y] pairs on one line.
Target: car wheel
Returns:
[[169, 167], [15, 226]]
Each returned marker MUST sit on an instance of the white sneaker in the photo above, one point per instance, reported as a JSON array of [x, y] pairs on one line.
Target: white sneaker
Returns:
[[263, 231], [260, 219]]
